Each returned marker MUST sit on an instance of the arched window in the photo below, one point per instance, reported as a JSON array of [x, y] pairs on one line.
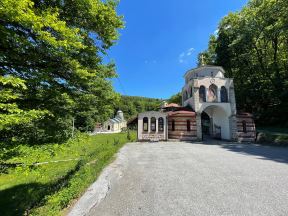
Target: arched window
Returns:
[[191, 92], [160, 124], [244, 126], [145, 124], [202, 94], [188, 125], [153, 124], [186, 95], [224, 94], [173, 125], [212, 93]]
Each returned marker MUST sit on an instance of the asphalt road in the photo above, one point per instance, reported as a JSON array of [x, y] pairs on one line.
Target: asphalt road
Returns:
[[175, 178]]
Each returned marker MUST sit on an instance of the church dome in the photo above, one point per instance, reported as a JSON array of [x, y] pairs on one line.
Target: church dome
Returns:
[[120, 114]]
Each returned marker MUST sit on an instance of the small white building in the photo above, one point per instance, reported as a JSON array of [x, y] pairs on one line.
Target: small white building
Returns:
[[116, 124]]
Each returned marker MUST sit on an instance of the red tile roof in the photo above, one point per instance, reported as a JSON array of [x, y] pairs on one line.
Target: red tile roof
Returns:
[[181, 112]]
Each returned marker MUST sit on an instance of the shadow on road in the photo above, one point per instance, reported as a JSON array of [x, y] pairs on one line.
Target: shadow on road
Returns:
[[275, 153], [279, 154]]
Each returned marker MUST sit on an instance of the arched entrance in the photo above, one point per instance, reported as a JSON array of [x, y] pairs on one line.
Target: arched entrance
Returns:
[[215, 123], [205, 125]]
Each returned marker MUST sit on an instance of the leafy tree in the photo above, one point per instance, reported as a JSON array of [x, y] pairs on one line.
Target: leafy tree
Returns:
[[177, 98], [252, 46], [56, 49]]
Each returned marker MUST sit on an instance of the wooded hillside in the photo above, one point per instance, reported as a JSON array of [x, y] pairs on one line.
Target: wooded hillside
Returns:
[[132, 105]]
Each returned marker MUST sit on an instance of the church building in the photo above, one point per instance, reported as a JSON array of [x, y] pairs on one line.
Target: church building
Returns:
[[114, 125], [208, 110]]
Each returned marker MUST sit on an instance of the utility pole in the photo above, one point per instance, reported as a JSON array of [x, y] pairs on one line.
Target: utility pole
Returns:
[[73, 126]]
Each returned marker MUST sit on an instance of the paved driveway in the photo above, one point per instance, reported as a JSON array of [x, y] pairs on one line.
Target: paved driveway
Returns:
[[176, 178]]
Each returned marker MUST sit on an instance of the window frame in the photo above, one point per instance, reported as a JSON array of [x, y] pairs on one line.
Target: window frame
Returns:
[[188, 124], [153, 124], [173, 125], [244, 126], [202, 88], [160, 124], [144, 122]]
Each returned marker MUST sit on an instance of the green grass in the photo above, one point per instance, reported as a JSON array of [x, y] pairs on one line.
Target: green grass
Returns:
[[47, 189]]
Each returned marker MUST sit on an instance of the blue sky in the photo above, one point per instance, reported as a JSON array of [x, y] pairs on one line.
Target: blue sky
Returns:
[[161, 41]]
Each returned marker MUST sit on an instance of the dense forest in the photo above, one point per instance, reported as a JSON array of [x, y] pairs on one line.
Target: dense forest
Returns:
[[132, 105], [252, 46]]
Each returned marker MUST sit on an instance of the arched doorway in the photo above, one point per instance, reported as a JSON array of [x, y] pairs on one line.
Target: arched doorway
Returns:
[[205, 124], [109, 127], [215, 122]]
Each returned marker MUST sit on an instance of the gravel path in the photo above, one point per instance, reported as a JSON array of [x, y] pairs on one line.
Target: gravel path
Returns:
[[177, 178]]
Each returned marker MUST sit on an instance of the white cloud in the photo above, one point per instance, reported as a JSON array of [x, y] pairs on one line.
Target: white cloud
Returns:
[[184, 56]]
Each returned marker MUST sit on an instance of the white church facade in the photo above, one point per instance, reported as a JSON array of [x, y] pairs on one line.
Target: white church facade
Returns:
[[113, 125], [212, 97], [208, 110]]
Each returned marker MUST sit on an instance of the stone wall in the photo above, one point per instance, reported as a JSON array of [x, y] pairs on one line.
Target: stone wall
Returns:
[[180, 130], [250, 134]]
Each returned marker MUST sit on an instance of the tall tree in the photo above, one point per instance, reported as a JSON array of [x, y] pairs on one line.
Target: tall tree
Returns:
[[56, 48], [252, 46]]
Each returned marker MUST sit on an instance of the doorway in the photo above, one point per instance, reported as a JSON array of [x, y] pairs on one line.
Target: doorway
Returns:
[[206, 124]]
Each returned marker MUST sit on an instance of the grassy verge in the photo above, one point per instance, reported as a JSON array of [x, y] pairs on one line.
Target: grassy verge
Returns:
[[48, 188], [273, 136]]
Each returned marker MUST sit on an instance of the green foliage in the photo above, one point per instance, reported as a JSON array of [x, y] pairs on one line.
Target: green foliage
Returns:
[[53, 51], [132, 105], [267, 138], [48, 188], [252, 47], [177, 98], [11, 89]]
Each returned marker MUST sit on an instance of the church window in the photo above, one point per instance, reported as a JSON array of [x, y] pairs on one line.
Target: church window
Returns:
[[173, 125], [212, 93], [191, 93], [153, 124], [145, 124], [202, 94], [244, 126], [160, 124], [188, 125], [186, 95], [224, 94]]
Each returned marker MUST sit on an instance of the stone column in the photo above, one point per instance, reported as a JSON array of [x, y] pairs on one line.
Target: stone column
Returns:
[[199, 126], [196, 99], [157, 125], [233, 127], [149, 125], [232, 99], [218, 94]]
